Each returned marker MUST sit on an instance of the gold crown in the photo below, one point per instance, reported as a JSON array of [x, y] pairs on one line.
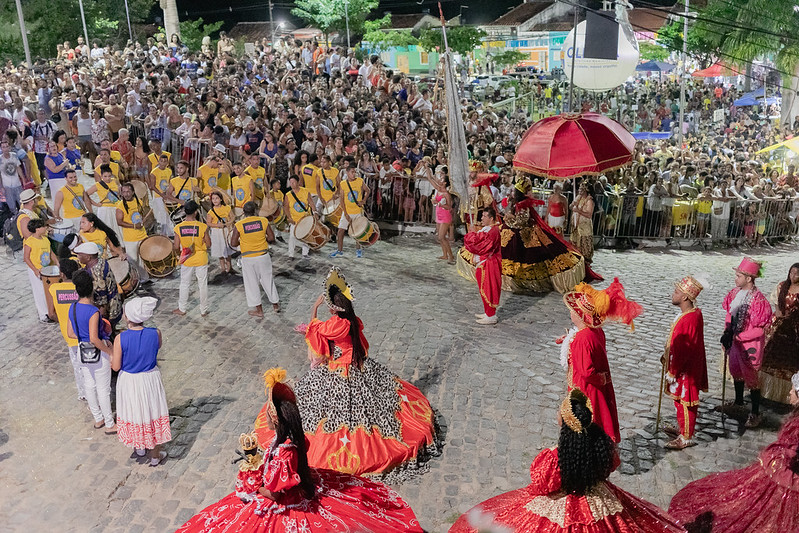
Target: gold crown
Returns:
[[523, 185], [248, 441]]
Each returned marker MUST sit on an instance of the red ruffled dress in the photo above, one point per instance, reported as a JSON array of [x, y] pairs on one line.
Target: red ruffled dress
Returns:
[[763, 497], [543, 507], [359, 421], [342, 503]]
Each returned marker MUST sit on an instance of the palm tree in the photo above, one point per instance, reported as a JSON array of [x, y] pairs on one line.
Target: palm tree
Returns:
[[171, 20]]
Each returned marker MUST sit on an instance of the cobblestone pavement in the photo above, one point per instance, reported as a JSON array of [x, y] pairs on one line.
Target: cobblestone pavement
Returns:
[[496, 389]]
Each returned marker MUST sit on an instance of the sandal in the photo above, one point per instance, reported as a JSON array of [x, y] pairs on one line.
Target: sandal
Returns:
[[111, 430], [101, 426]]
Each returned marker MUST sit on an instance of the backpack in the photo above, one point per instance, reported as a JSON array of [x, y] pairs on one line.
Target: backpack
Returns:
[[11, 235]]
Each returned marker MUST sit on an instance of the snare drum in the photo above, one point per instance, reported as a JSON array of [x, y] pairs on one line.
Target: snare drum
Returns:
[[142, 192], [176, 212], [127, 278], [269, 208], [59, 230], [313, 233], [238, 213], [364, 231], [157, 255], [279, 221], [332, 212], [50, 275]]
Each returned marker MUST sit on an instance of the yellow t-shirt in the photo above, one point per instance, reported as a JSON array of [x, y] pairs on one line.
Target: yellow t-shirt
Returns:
[[277, 195], [24, 218], [309, 177], [327, 183], [252, 236], [299, 211], [187, 192], [132, 215], [73, 205], [352, 197], [109, 196], [222, 210], [114, 169], [209, 177], [704, 207], [96, 236], [241, 189], [257, 174], [190, 233], [40, 250], [153, 158], [162, 178], [64, 296]]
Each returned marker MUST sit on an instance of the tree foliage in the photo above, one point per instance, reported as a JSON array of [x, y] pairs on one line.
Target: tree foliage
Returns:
[[509, 57], [461, 39], [652, 52], [50, 23], [329, 15], [193, 31], [380, 37], [704, 46]]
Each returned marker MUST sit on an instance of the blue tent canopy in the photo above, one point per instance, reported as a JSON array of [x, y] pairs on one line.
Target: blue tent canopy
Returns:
[[651, 135], [746, 101], [655, 66]]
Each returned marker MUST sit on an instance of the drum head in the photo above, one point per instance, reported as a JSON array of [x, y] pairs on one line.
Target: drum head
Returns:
[[50, 271], [140, 188], [359, 225], [155, 248], [119, 267], [303, 227], [269, 207], [331, 207], [63, 225]]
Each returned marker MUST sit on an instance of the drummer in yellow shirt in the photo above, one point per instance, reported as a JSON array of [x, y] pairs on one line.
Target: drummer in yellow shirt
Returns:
[[37, 255], [308, 174], [182, 187], [191, 242], [158, 182], [326, 182], [105, 159], [73, 199], [297, 204], [208, 175], [353, 192], [254, 234], [130, 218], [242, 187], [64, 296], [257, 173]]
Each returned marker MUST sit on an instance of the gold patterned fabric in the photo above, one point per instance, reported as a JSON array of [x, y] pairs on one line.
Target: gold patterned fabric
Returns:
[[601, 502]]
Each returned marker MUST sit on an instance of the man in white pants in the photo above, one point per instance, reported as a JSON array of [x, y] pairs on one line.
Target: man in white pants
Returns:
[[129, 217], [191, 242], [254, 234], [297, 204], [71, 201]]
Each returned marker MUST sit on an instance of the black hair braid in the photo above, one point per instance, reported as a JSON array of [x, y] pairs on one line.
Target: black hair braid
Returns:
[[784, 288], [584, 458], [102, 226], [358, 350], [289, 427]]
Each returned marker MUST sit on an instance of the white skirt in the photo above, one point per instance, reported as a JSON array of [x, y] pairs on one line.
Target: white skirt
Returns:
[[108, 214], [142, 412], [219, 246], [165, 225]]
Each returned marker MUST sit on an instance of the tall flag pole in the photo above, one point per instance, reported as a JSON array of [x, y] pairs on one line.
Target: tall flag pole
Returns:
[[458, 160]]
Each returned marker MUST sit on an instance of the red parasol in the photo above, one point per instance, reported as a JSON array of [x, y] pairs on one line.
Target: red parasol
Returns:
[[715, 70], [572, 144]]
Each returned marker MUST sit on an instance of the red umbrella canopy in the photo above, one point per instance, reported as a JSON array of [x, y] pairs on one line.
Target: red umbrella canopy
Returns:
[[574, 144]]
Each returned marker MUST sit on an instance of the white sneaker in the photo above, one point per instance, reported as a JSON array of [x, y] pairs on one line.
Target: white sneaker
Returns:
[[488, 320], [480, 315]]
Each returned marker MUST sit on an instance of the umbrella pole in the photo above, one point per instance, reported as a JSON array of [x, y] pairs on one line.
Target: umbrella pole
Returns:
[[574, 60]]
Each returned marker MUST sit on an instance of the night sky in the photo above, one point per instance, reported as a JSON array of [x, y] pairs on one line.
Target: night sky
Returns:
[[256, 10]]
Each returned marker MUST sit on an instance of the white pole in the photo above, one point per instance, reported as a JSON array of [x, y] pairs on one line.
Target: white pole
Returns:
[[127, 14], [83, 19], [347, 20], [271, 23], [24, 33], [684, 71]]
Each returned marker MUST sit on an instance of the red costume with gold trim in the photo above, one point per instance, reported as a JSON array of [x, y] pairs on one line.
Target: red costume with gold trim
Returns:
[[544, 508], [687, 368], [589, 371], [486, 246], [359, 421]]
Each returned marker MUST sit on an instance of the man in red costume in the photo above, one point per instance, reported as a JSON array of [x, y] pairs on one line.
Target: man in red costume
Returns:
[[686, 363], [583, 350], [485, 247]]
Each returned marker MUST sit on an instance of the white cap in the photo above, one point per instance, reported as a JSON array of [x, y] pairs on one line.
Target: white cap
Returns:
[[88, 248]]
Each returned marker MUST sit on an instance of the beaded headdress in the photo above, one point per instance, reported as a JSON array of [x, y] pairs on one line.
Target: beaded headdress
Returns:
[[276, 389], [336, 279], [567, 414]]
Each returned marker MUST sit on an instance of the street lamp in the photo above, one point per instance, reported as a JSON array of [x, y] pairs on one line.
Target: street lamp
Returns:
[[460, 17], [279, 25], [347, 20], [83, 19], [24, 35]]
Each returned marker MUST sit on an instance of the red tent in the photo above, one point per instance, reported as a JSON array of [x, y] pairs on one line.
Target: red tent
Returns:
[[715, 70]]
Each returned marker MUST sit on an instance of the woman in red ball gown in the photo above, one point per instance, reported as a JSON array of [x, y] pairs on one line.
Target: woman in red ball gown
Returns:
[[281, 493], [359, 417], [759, 498], [569, 490]]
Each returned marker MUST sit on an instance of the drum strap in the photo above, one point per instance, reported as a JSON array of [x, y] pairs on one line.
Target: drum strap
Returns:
[[220, 219], [254, 252], [107, 188], [298, 201], [183, 186], [350, 188], [78, 198]]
